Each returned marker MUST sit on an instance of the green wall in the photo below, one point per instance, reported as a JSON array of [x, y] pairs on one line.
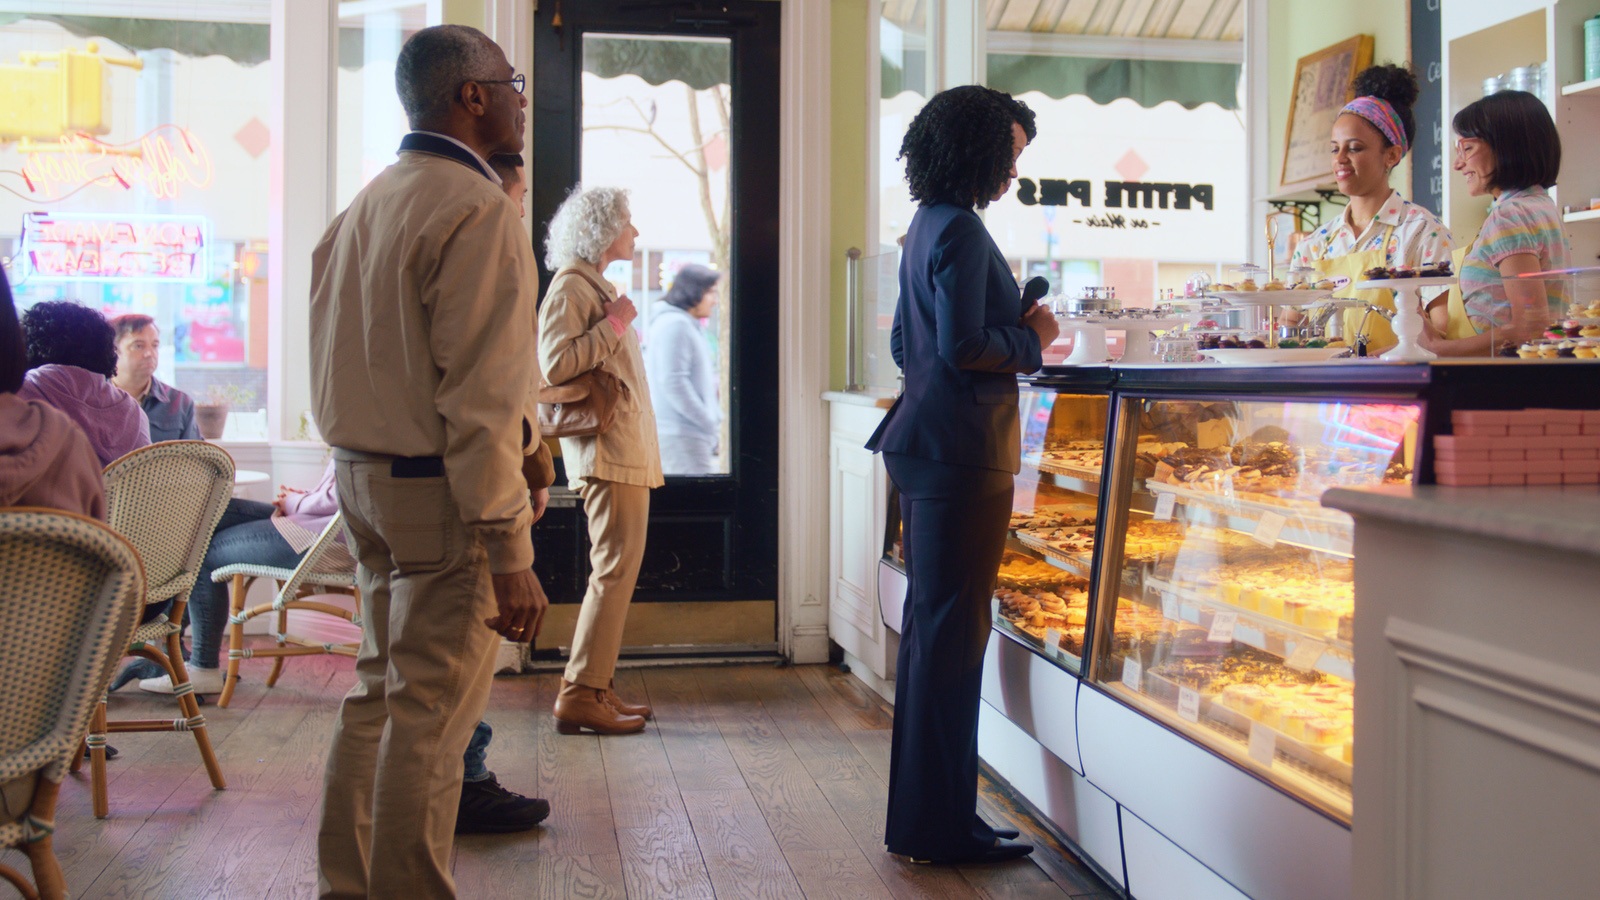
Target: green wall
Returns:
[[1297, 28], [847, 164]]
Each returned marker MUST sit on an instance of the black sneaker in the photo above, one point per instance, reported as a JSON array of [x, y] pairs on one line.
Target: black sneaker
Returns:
[[488, 808]]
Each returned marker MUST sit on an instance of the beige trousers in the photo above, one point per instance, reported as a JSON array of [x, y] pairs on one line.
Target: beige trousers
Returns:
[[618, 516], [393, 780]]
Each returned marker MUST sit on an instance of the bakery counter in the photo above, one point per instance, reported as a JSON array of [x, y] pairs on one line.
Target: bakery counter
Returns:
[[1479, 698]]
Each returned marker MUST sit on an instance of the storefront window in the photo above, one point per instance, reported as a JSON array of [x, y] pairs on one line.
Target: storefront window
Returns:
[[904, 85], [134, 157], [370, 121], [1136, 179]]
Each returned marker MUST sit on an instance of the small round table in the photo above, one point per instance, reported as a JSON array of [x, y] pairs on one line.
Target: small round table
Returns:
[[243, 478]]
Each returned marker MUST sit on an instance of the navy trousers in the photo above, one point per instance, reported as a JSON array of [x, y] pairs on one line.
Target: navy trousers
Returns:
[[953, 529]]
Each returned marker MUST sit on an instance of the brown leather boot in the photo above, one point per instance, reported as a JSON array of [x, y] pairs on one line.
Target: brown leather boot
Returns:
[[623, 706], [579, 707]]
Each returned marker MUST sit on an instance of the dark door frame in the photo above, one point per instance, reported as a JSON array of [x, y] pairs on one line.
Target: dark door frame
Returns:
[[748, 496]]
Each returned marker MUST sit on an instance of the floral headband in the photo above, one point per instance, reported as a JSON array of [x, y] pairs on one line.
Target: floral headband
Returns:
[[1383, 117]]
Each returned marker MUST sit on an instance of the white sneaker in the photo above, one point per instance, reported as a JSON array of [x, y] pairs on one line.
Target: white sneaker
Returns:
[[205, 681]]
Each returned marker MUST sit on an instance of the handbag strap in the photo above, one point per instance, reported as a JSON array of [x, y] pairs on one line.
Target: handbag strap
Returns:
[[599, 286]]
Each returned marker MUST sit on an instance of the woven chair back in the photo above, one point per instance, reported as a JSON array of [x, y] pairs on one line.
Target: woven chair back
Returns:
[[70, 594], [166, 499]]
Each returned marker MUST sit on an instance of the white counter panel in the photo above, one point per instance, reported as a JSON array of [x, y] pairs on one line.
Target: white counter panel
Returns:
[[1261, 840]]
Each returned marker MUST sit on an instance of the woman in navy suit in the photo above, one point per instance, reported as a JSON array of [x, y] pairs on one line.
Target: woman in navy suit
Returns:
[[951, 444]]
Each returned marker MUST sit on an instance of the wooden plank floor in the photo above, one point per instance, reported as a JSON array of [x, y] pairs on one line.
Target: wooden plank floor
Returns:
[[753, 782]]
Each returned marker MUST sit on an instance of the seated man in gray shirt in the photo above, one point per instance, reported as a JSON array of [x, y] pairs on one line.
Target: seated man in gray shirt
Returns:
[[171, 411]]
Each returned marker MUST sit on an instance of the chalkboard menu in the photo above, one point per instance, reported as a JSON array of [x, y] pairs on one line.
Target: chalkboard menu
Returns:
[[1427, 152]]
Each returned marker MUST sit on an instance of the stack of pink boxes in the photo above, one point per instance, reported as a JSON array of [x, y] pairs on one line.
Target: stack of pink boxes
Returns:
[[1520, 446]]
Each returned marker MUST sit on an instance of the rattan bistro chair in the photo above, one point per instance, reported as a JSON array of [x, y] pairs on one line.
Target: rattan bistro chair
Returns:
[[326, 568], [70, 594], [165, 499]]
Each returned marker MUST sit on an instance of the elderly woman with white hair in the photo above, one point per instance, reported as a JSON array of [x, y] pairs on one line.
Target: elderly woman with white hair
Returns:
[[584, 325]]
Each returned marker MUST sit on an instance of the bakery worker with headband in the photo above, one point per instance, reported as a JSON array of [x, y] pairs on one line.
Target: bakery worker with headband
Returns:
[[1379, 227]]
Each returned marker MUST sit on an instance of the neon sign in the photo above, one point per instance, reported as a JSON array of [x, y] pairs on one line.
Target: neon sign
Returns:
[[163, 161], [111, 247]]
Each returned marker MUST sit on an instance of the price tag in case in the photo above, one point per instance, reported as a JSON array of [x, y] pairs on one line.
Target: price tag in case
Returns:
[[1052, 638], [1222, 625], [1169, 605], [1305, 655], [1268, 528], [1132, 674], [1263, 744], [1188, 704], [1164, 505]]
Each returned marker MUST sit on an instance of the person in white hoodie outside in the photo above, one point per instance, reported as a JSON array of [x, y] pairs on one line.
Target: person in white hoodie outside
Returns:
[[682, 374], [72, 354], [45, 459]]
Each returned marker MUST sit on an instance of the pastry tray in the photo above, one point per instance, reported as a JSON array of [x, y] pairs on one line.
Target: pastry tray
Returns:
[[1258, 630], [1305, 524], [1075, 563], [1285, 297]]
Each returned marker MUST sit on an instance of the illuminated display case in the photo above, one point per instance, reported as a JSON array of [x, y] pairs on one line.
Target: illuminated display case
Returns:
[[1170, 681], [1228, 606]]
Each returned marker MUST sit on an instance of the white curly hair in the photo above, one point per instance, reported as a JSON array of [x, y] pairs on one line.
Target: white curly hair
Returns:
[[588, 221]]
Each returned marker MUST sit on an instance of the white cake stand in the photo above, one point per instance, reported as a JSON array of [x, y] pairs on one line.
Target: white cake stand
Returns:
[[1136, 340], [1089, 346], [1407, 324]]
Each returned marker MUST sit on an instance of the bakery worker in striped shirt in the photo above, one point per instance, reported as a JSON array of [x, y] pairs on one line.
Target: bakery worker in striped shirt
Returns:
[[1379, 228], [1507, 148]]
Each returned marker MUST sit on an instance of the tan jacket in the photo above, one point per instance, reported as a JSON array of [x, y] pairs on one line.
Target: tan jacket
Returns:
[[421, 310], [575, 337]]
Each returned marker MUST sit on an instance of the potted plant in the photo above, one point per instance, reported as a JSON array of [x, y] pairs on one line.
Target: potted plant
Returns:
[[211, 411]]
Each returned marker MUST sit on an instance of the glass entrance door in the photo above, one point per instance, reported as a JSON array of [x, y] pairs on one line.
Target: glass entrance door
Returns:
[[676, 103]]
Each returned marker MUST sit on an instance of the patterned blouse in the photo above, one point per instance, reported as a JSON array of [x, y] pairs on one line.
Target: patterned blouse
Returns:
[[1522, 221], [1418, 238]]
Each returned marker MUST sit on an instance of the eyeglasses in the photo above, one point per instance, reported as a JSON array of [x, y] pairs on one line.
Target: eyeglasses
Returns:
[[517, 82], [1467, 146]]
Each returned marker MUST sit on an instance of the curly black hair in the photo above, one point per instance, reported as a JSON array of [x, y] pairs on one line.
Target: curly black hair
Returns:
[[958, 148], [68, 334], [1395, 85]]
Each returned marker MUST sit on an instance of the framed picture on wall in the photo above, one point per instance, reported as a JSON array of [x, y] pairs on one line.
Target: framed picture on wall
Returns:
[[1321, 88]]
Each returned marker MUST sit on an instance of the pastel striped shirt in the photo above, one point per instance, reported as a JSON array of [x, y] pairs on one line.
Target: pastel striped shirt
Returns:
[[1520, 222]]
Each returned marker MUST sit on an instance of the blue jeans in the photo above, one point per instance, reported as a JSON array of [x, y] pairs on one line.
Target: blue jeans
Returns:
[[243, 535], [477, 753]]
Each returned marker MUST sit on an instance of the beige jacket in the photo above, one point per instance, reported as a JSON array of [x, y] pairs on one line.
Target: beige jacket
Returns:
[[421, 310], [575, 337]]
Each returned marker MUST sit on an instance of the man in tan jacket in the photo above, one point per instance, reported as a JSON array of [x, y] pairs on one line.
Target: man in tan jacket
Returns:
[[423, 379]]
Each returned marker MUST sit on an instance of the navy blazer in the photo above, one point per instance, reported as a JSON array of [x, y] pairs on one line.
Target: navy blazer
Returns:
[[957, 337]]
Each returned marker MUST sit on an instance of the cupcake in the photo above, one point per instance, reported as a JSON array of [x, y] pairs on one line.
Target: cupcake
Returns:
[[1548, 350], [1586, 349], [1249, 284], [1273, 285], [1589, 331], [1565, 349], [1529, 350]]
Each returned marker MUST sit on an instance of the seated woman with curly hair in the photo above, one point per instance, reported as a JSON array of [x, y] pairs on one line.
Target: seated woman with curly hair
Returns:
[[952, 443], [72, 354]]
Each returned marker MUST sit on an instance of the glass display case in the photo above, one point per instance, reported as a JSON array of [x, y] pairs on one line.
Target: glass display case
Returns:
[[1233, 605], [1042, 593]]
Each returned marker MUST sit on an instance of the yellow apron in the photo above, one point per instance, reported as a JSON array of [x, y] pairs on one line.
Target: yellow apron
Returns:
[[1351, 265], [1460, 326]]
